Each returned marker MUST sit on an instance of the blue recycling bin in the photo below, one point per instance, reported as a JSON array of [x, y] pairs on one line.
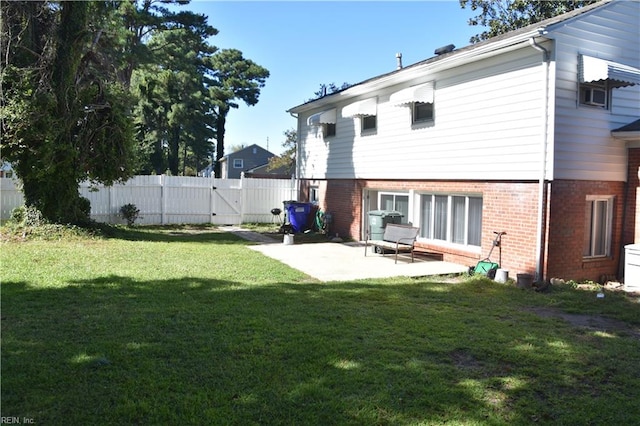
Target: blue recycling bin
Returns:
[[298, 214]]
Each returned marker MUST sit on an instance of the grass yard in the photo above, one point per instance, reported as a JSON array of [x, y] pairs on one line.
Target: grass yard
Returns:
[[176, 326]]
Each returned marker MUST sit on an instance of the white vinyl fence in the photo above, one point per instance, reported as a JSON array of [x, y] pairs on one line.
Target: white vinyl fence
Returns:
[[177, 199]]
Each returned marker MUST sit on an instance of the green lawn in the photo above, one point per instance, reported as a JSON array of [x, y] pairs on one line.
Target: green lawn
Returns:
[[170, 326]]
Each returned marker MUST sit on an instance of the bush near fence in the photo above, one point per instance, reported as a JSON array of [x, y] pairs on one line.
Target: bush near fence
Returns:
[[166, 200]]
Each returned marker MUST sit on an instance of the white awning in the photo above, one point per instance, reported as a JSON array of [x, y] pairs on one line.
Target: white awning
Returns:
[[365, 107], [419, 93], [592, 69], [324, 117]]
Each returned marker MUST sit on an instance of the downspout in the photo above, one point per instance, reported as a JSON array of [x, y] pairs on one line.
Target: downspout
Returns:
[[297, 168], [543, 159]]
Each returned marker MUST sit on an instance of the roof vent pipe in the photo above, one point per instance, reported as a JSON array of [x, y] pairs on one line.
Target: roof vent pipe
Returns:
[[444, 49], [399, 60]]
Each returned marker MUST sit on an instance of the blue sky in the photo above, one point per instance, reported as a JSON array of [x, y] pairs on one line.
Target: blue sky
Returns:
[[306, 43]]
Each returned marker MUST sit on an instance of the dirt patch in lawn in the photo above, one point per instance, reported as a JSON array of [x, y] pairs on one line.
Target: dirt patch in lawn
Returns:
[[592, 322]]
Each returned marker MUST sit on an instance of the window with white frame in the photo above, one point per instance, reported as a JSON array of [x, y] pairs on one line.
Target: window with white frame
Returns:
[[237, 163], [595, 95], [452, 218], [395, 202], [314, 194], [597, 227]]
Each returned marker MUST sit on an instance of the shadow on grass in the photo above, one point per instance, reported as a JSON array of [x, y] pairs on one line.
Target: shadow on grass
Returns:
[[171, 233], [114, 350]]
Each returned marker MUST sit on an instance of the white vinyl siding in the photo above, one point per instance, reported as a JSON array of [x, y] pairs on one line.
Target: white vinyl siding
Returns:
[[490, 117], [488, 126], [584, 149]]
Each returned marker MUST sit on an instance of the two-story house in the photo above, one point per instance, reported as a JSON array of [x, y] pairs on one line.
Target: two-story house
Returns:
[[515, 134], [245, 159]]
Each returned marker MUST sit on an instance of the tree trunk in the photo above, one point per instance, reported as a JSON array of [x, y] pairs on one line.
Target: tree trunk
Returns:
[[60, 199], [220, 123], [174, 150]]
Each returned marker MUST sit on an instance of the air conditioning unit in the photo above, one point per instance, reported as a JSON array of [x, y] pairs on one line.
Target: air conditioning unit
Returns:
[[596, 97]]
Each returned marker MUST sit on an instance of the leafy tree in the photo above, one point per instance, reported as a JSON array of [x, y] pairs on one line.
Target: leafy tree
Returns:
[[64, 115], [501, 16], [233, 78], [327, 89], [236, 147], [174, 116], [286, 160], [144, 18]]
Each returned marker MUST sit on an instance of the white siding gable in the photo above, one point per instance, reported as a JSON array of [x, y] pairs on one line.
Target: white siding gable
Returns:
[[507, 116], [584, 148], [487, 125]]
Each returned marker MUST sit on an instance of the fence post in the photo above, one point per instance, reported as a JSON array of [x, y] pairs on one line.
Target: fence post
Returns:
[[212, 185], [163, 201], [243, 195], [110, 219]]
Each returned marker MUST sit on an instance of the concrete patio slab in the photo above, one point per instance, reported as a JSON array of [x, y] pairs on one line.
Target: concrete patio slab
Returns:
[[345, 261]]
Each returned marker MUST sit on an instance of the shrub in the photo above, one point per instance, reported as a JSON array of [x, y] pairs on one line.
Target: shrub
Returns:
[[27, 216], [28, 223], [130, 213]]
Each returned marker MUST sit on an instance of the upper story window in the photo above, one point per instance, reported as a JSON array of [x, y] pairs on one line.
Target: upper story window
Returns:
[[422, 112], [238, 163], [366, 110], [325, 120], [419, 98], [597, 77], [329, 130], [368, 123], [595, 95]]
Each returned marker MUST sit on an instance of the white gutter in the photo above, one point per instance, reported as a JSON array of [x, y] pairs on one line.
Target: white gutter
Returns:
[[543, 157]]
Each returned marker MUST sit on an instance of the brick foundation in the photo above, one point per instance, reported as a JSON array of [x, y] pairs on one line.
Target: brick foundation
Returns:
[[567, 230], [511, 207], [631, 230]]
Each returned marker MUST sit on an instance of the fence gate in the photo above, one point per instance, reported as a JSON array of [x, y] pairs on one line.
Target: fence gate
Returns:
[[226, 202]]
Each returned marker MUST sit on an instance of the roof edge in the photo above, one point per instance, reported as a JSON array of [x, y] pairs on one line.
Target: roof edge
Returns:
[[466, 54]]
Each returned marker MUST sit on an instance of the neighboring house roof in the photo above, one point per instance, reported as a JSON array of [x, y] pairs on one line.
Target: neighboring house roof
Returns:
[[467, 54], [263, 172], [248, 149]]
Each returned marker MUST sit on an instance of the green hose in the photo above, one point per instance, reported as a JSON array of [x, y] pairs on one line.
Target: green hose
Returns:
[[320, 221]]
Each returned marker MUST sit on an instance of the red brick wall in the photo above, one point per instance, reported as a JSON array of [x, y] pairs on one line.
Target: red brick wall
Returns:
[[566, 230], [343, 199], [511, 207], [567, 233], [507, 206], [631, 233]]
